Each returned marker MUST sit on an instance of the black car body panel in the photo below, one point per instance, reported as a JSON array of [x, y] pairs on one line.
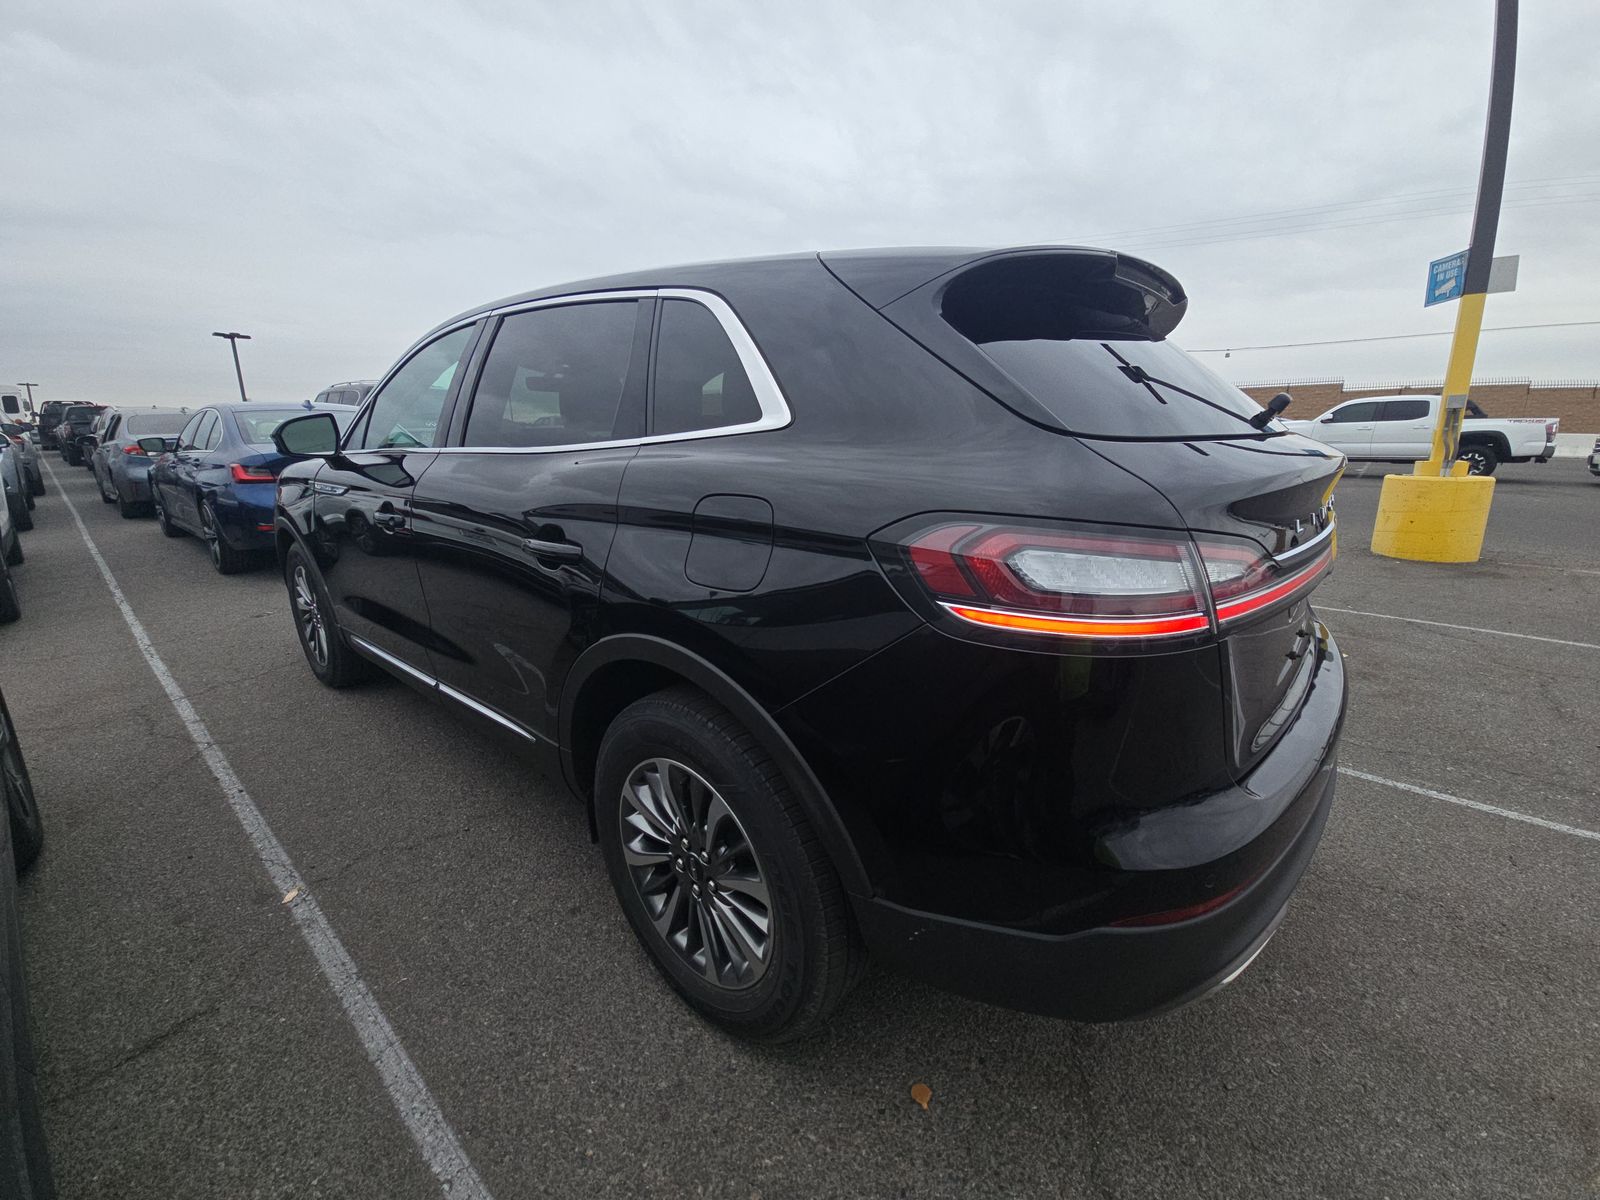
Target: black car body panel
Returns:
[[973, 785]]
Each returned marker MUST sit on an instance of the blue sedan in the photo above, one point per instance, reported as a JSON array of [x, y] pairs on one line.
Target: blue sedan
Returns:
[[220, 480]]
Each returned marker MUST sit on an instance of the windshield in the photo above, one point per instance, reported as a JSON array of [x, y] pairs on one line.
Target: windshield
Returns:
[[1140, 389], [257, 425]]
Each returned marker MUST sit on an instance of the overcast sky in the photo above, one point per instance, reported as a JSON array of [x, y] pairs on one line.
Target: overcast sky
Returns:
[[334, 179]]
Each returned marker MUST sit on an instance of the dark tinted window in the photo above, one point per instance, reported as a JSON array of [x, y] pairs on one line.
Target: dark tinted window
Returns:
[[1403, 410], [406, 412], [554, 377], [1363, 410], [699, 381], [153, 424]]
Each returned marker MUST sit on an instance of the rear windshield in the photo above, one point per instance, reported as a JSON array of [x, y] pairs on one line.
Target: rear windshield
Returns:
[[81, 413], [256, 426], [154, 424], [1095, 388]]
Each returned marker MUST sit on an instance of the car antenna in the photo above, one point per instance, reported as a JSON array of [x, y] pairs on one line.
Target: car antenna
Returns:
[[1274, 406]]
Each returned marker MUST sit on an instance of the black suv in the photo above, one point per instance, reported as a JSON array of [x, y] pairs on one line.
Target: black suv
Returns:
[[924, 603], [49, 417], [77, 422]]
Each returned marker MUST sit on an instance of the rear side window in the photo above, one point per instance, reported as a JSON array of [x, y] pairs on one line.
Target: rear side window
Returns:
[[554, 377], [209, 433], [1403, 410], [699, 381], [1362, 410], [186, 438]]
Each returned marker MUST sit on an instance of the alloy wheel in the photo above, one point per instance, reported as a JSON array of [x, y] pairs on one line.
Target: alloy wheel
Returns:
[[697, 873], [308, 617], [213, 538]]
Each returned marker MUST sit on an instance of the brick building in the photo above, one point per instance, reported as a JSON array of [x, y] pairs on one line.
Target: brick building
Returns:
[[1575, 402]]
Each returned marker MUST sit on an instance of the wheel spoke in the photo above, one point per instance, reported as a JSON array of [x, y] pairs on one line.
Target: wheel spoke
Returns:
[[709, 901]]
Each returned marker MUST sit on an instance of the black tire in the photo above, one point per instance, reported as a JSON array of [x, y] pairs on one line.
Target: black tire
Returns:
[[36, 481], [1480, 457], [70, 453], [162, 519], [108, 497], [333, 662], [131, 508], [10, 603], [14, 556], [27, 830], [20, 516], [224, 557], [814, 954], [27, 495]]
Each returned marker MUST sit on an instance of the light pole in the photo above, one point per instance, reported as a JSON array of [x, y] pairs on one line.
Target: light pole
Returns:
[[233, 341], [30, 387]]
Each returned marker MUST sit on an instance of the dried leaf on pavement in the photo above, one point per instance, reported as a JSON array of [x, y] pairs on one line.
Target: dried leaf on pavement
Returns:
[[921, 1093]]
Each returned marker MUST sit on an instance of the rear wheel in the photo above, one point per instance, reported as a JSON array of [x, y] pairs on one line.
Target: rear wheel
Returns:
[[327, 653], [27, 830], [36, 481], [14, 556], [129, 508], [719, 870], [162, 518], [20, 516], [10, 604], [1481, 459], [224, 557], [70, 453]]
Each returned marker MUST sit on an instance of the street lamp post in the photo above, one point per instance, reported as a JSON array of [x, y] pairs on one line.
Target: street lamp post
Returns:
[[233, 341]]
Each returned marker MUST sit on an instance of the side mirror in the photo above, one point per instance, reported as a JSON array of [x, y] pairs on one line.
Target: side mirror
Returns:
[[1274, 406], [312, 434], [1327, 420], [156, 445]]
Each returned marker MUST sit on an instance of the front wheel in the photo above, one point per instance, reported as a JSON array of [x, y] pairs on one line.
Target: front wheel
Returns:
[[27, 830], [1480, 459], [719, 870], [327, 653], [10, 602]]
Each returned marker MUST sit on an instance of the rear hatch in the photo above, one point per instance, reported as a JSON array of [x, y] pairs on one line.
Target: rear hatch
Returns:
[[1074, 341]]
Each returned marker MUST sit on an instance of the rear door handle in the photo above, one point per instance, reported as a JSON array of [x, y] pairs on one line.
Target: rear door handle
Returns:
[[562, 551]]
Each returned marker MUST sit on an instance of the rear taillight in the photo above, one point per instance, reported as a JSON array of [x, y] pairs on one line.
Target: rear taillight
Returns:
[[1085, 585], [1103, 585], [244, 474], [135, 448], [16, 439]]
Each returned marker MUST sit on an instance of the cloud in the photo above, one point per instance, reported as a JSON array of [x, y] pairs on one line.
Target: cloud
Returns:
[[335, 180]]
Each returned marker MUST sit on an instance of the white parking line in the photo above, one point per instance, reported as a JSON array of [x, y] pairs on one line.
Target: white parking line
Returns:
[[1529, 637], [435, 1139], [1570, 830]]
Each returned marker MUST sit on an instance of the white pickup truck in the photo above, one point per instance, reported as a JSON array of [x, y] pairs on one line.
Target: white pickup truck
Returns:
[[1400, 429]]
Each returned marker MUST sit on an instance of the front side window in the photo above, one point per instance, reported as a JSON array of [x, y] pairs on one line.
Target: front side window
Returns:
[[554, 376], [699, 381], [406, 413], [186, 439], [1364, 410]]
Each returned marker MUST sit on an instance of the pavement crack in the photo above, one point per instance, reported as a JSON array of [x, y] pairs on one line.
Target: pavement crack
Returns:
[[152, 1043]]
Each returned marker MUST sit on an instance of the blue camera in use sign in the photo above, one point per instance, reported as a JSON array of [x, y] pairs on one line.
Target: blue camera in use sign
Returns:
[[1446, 278]]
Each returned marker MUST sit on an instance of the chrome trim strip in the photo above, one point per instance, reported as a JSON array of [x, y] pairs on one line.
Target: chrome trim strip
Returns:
[[483, 709], [1295, 552], [775, 412], [368, 647]]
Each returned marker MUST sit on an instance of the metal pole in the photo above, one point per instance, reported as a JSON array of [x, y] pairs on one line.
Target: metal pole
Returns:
[[233, 341], [30, 387], [233, 344], [1480, 254]]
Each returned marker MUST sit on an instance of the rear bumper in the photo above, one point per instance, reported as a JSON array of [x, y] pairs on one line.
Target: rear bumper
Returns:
[[1112, 973], [246, 516]]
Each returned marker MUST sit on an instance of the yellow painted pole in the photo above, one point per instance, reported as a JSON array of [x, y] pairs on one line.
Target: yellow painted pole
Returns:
[[1457, 382]]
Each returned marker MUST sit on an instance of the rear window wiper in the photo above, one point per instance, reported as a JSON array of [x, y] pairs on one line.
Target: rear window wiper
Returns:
[[1140, 376]]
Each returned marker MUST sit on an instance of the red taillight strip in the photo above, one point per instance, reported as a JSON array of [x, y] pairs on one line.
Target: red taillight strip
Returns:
[[1089, 627], [1173, 915], [1302, 579]]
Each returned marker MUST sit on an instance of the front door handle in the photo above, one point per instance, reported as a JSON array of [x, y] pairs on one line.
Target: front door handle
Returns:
[[389, 519], [561, 551]]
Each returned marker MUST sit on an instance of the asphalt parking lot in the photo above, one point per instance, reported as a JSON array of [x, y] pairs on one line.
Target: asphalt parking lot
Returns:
[[1426, 1023]]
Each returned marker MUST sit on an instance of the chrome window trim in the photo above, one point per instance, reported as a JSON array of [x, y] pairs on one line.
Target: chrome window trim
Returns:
[[774, 407], [1304, 548]]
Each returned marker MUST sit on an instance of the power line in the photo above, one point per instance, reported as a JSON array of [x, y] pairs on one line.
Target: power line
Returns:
[[1392, 337]]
